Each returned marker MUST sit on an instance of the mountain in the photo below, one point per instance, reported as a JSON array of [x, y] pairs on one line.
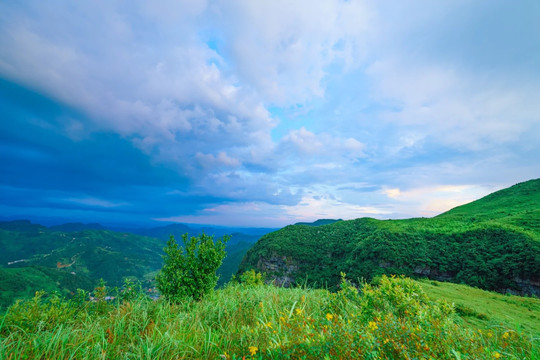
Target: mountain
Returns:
[[22, 225], [36, 257], [492, 243], [71, 227], [319, 222], [163, 232]]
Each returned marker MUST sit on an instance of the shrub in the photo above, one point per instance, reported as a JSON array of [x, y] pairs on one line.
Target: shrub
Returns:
[[190, 271], [252, 278]]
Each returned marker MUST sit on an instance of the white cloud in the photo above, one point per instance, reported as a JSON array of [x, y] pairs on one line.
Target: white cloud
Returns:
[[211, 161], [282, 48]]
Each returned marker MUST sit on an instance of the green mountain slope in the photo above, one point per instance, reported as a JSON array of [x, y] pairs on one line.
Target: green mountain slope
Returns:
[[492, 243], [23, 282], [518, 206], [36, 258]]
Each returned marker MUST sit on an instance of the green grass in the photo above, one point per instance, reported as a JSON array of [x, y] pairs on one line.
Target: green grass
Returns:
[[488, 309], [394, 320]]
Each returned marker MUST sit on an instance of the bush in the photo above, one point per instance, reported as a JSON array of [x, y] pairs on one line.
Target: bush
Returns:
[[252, 278], [190, 271]]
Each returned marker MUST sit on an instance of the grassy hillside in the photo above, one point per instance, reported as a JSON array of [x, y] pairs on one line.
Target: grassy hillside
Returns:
[[393, 320], [492, 243], [518, 206], [484, 310]]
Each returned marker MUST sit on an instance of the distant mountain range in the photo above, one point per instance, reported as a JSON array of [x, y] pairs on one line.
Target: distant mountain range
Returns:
[[319, 222], [492, 243]]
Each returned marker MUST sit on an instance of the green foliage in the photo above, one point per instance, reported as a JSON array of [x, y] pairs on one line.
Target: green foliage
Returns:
[[63, 262], [393, 320], [131, 290], [488, 244], [464, 310], [190, 271], [252, 278]]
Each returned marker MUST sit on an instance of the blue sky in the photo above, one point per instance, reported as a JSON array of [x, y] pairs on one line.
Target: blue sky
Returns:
[[263, 113]]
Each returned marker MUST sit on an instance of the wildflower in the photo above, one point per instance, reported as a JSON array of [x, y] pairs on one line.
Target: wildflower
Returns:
[[373, 325], [386, 341], [329, 317], [269, 324], [298, 311], [496, 355], [303, 298], [253, 350], [505, 335]]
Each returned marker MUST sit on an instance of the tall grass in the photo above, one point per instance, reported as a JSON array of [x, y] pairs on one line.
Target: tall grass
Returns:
[[394, 320]]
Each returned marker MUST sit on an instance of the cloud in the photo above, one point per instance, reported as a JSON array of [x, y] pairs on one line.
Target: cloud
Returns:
[[95, 202], [211, 161], [265, 110], [433, 200], [282, 48]]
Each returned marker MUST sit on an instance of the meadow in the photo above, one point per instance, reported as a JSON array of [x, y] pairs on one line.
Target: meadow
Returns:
[[392, 318]]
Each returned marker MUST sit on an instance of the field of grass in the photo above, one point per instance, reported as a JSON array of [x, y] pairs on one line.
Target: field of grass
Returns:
[[392, 320], [485, 309]]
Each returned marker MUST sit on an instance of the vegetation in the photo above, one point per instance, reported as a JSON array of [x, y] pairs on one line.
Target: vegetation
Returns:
[[66, 257], [23, 283], [492, 243], [393, 319], [484, 309], [36, 258], [190, 271]]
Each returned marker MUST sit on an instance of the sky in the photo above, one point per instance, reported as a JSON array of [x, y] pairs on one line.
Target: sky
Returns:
[[263, 113]]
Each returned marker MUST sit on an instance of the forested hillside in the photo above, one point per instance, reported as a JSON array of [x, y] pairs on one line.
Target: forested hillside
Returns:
[[492, 243]]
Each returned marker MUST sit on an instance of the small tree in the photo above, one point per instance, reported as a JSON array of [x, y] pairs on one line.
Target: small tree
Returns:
[[190, 271]]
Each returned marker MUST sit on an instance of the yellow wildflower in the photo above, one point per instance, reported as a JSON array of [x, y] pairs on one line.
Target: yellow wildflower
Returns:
[[329, 316], [496, 355], [373, 325], [386, 341], [298, 311], [269, 324], [253, 350], [505, 335]]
